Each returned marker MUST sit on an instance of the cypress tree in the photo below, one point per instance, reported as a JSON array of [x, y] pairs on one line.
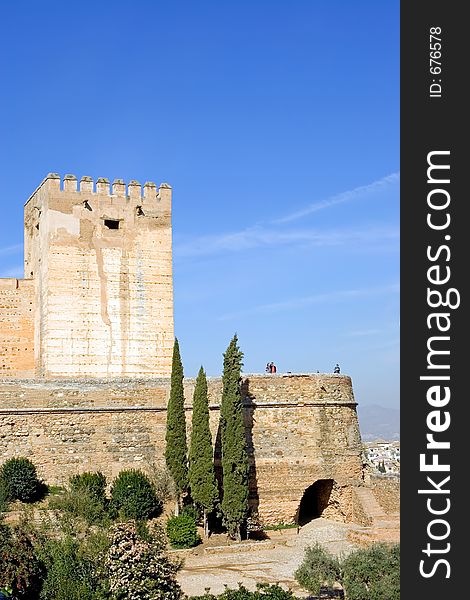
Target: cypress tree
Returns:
[[234, 455], [176, 449], [202, 480]]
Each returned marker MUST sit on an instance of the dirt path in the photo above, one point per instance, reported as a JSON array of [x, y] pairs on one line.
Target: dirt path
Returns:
[[272, 561]]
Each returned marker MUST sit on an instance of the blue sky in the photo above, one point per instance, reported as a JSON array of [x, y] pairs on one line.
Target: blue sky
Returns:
[[276, 123]]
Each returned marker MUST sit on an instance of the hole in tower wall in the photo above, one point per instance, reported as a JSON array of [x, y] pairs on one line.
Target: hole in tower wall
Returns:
[[111, 224], [314, 501]]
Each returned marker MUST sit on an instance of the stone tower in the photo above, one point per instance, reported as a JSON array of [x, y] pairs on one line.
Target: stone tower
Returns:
[[100, 261]]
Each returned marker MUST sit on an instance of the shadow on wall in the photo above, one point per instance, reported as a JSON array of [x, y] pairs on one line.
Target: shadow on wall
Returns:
[[249, 419], [314, 501]]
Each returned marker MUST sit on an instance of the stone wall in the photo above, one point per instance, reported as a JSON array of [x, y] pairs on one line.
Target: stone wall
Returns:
[[386, 490], [16, 327], [299, 429]]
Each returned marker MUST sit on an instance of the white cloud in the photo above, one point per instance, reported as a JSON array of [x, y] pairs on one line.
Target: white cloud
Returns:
[[274, 233], [260, 236], [348, 196]]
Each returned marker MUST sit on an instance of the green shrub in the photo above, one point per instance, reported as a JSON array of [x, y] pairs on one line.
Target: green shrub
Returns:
[[73, 567], [80, 504], [94, 484], [133, 497], [20, 480], [3, 497], [85, 499], [317, 568], [192, 511], [373, 573], [182, 531]]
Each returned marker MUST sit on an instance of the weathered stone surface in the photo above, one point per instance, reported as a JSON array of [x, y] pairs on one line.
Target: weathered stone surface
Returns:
[[294, 437], [17, 327]]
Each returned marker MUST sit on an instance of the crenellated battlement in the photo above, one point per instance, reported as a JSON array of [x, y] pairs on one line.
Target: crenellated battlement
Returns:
[[132, 192]]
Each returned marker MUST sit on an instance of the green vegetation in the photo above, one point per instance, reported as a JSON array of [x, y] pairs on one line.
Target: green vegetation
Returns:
[[21, 571], [85, 498], [280, 526], [373, 573], [182, 531], [317, 569], [71, 566], [366, 574], [3, 497], [94, 484], [80, 504], [176, 448], [63, 558], [162, 483], [133, 497], [202, 480], [20, 481], [234, 455]]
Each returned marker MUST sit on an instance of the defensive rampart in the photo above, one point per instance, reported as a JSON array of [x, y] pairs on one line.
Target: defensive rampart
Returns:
[[300, 429]]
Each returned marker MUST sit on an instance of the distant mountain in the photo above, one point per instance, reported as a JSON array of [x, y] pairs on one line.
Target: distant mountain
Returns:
[[378, 422]]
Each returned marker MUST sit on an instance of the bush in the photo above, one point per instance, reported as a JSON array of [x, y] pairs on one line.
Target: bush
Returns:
[[182, 531], [137, 567], [94, 484], [3, 497], [317, 568], [373, 573], [72, 568], [85, 499], [133, 496], [21, 571], [80, 504], [20, 480], [192, 511]]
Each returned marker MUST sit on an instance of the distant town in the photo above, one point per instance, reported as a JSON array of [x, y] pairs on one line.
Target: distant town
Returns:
[[383, 457]]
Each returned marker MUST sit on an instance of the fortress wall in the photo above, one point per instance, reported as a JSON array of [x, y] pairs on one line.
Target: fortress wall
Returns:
[[386, 490], [16, 327], [294, 435]]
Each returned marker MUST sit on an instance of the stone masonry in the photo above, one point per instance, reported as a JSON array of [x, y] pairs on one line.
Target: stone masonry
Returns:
[[85, 358], [299, 429]]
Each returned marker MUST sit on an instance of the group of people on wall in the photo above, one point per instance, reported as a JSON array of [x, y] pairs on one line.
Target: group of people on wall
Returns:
[[271, 368]]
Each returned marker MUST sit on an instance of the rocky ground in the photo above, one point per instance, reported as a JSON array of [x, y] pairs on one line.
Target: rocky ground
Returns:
[[268, 561]]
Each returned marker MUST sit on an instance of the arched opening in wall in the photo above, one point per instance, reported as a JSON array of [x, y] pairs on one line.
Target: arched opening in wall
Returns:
[[314, 501]]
